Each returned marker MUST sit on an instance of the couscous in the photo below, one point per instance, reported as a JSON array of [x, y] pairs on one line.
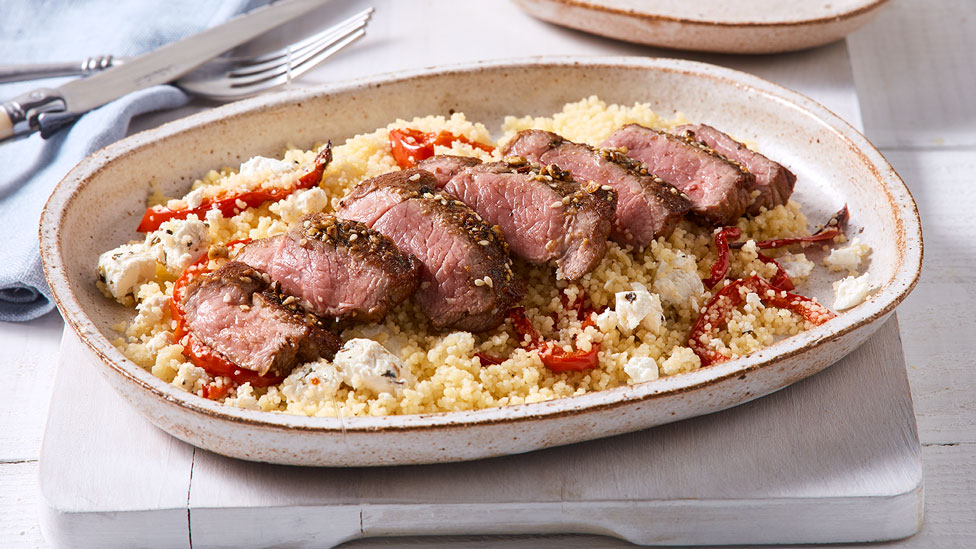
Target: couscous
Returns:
[[642, 305]]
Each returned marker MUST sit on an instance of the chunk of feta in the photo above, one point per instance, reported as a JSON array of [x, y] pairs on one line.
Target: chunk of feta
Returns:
[[312, 383], [179, 242], [849, 258], [125, 268], [300, 203], [796, 265], [365, 363], [637, 307], [851, 291], [260, 165], [678, 281], [194, 199], [641, 369]]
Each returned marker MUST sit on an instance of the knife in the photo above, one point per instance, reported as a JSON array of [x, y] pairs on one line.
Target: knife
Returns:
[[48, 109]]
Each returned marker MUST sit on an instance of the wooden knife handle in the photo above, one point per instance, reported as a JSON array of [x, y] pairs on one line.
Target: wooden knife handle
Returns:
[[6, 125]]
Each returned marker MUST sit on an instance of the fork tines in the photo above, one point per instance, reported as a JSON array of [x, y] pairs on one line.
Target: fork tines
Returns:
[[290, 62]]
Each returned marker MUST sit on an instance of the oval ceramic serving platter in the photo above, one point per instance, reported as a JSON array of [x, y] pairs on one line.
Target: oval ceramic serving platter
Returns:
[[99, 203], [720, 26]]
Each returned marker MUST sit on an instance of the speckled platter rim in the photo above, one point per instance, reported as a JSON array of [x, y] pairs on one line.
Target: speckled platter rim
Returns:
[[717, 35], [867, 6], [878, 306]]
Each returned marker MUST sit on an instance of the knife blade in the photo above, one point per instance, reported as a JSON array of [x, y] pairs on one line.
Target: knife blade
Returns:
[[49, 109]]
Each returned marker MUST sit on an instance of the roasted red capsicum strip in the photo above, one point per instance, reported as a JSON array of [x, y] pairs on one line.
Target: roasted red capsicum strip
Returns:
[[488, 360], [721, 266], [555, 358], [833, 227], [410, 146], [781, 279], [215, 363], [718, 311], [559, 360], [230, 205], [216, 392], [523, 327]]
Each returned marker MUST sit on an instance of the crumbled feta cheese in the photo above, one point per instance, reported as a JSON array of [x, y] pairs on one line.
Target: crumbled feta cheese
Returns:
[[260, 165], [300, 203], [123, 269], [366, 363], [195, 198], [850, 291], [641, 369], [637, 307], [796, 265], [682, 359], [677, 282], [179, 242], [849, 258], [313, 382], [606, 321]]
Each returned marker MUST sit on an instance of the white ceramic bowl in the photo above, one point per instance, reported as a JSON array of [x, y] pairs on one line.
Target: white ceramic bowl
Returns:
[[99, 203], [721, 26]]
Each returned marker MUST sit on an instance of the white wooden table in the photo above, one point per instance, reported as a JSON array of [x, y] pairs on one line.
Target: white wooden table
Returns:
[[908, 76]]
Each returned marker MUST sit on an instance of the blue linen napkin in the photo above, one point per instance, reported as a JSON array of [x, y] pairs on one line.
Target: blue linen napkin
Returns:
[[67, 30]]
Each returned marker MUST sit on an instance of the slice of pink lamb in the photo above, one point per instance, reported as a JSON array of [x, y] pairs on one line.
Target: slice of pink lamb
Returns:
[[647, 207], [466, 273], [543, 213], [336, 268], [719, 190], [773, 181], [233, 311]]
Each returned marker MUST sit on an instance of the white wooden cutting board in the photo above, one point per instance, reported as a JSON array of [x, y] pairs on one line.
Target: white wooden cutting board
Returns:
[[833, 458]]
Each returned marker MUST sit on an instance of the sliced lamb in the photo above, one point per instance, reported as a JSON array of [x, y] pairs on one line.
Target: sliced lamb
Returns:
[[466, 275], [446, 166], [543, 213], [336, 268], [718, 188], [234, 312], [773, 181], [647, 207]]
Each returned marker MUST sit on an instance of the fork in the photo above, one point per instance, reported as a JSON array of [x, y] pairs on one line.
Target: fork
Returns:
[[227, 78]]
